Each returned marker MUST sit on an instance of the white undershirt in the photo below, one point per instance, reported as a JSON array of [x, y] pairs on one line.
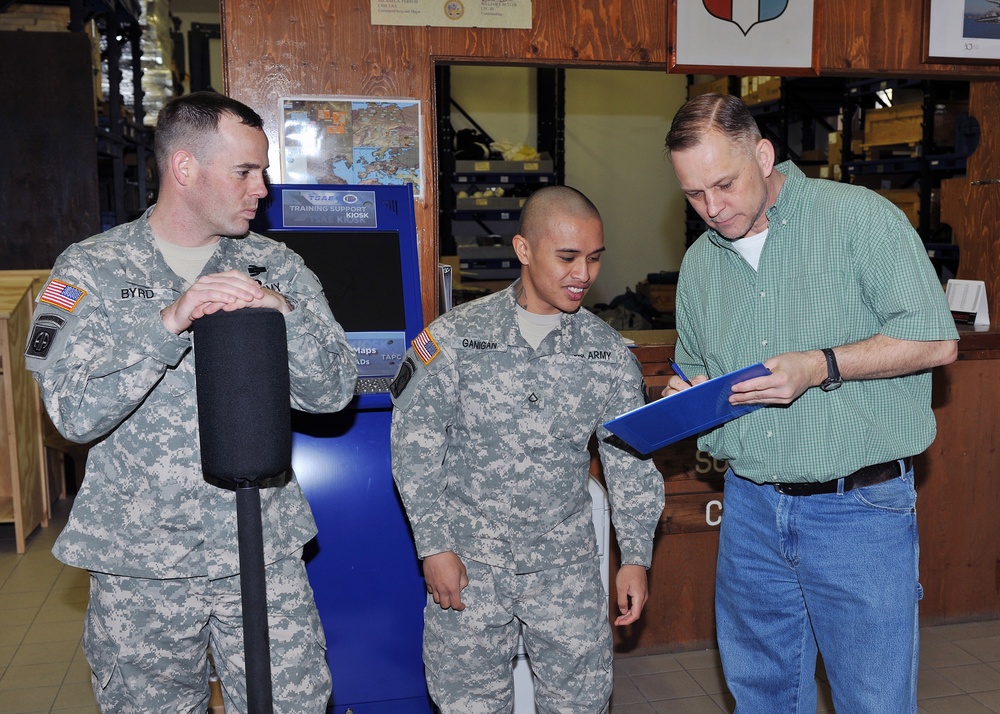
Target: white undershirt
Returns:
[[187, 262], [750, 247], [534, 328]]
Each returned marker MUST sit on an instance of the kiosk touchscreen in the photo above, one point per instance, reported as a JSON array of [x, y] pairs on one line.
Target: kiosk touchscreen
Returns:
[[361, 243]]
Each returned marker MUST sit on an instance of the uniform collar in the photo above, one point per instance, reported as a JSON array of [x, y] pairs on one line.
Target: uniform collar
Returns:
[[566, 339]]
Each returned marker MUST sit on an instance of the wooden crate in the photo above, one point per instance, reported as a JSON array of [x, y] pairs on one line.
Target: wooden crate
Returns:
[[769, 90], [903, 124], [23, 485], [661, 296], [907, 200]]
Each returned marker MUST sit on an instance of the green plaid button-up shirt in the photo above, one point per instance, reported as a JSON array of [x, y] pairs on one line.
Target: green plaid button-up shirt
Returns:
[[840, 264]]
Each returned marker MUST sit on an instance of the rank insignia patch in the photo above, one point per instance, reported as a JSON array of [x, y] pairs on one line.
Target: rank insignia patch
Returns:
[[62, 295], [425, 347]]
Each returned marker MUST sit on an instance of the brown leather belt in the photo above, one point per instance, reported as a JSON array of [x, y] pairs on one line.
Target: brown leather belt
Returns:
[[867, 476]]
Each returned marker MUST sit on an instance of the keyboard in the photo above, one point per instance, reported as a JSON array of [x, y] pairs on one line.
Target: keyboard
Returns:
[[372, 385]]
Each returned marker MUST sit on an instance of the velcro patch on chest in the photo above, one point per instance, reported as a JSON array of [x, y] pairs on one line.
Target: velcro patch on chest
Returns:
[[479, 343], [599, 355]]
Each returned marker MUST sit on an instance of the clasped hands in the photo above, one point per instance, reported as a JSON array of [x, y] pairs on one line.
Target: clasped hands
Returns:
[[228, 291]]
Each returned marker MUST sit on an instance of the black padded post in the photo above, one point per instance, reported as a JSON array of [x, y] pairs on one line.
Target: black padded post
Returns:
[[244, 412], [244, 420]]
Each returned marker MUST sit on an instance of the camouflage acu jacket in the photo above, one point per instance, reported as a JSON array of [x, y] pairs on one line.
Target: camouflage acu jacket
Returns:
[[490, 439], [112, 374]]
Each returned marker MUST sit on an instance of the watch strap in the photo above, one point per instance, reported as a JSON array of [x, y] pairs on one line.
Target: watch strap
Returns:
[[833, 378]]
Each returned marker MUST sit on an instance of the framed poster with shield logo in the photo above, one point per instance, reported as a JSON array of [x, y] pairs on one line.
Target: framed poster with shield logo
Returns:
[[744, 37]]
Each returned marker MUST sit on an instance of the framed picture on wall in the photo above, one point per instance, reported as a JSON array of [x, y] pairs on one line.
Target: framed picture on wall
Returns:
[[745, 37], [962, 31], [351, 140]]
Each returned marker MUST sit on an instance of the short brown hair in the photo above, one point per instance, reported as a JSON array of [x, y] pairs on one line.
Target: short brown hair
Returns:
[[724, 113], [191, 120]]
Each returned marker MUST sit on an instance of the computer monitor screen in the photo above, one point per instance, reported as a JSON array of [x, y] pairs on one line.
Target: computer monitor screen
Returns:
[[360, 272]]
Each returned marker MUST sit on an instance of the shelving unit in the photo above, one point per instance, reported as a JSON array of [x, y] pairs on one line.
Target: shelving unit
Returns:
[[126, 174], [910, 143], [483, 224], [919, 132], [800, 118]]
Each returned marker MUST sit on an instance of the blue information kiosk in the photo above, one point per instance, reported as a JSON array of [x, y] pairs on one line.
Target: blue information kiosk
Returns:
[[361, 243]]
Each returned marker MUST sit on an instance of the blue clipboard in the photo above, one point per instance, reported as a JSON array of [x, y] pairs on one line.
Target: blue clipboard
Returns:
[[685, 413]]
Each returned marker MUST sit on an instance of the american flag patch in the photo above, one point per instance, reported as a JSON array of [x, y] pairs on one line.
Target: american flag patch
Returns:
[[425, 347], [62, 295]]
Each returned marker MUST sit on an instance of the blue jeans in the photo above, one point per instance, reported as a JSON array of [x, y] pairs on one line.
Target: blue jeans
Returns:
[[834, 572]]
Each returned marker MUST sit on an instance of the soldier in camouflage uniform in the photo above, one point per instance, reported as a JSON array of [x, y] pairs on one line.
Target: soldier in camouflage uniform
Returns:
[[112, 351], [495, 405]]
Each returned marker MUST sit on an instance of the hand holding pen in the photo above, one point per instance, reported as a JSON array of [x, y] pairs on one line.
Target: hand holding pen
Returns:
[[679, 381]]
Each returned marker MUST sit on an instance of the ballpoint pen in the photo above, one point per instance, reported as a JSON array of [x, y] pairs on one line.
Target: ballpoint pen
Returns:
[[678, 371]]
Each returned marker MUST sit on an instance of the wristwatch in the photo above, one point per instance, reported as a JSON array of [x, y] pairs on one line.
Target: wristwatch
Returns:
[[833, 379]]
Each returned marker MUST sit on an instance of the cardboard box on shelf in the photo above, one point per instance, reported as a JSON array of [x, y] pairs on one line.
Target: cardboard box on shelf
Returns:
[[834, 148], [661, 296], [490, 203], [717, 86], [755, 90], [769, 90], [831, 172]]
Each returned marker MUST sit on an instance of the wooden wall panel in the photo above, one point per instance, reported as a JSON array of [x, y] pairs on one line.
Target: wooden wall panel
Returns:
[[958, 493], [882, 38], [283, 47], [971, 204]]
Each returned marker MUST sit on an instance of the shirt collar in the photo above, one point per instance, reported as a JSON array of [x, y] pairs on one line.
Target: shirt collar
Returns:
[[791, 191]]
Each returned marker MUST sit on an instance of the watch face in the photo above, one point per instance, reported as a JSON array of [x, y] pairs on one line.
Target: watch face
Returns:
[[828, 385]]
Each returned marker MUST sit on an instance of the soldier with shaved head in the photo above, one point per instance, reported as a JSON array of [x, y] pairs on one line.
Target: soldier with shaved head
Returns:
[[495, 405]]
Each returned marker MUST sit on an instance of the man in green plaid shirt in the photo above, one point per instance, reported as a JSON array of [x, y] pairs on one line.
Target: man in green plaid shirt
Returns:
[[830, 287]]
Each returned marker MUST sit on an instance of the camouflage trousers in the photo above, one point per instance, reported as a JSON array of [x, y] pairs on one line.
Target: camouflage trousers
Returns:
[[147, 642], [563, 615]]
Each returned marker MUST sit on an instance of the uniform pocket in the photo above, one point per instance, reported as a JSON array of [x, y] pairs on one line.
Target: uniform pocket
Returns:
[[100, 648]]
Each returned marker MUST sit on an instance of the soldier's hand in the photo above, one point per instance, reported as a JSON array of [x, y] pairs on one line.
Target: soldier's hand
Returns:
[[632, 593], [446, 577], [231, 290]]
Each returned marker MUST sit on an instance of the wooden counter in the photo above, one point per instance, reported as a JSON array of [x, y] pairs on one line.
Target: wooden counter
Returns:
[[958, 485]]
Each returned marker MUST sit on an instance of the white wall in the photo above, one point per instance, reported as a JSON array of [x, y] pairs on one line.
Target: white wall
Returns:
[[616, 122], [500, 99]]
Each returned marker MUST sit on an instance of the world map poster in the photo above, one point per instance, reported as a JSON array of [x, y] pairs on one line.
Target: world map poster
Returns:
[[351, 140]]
